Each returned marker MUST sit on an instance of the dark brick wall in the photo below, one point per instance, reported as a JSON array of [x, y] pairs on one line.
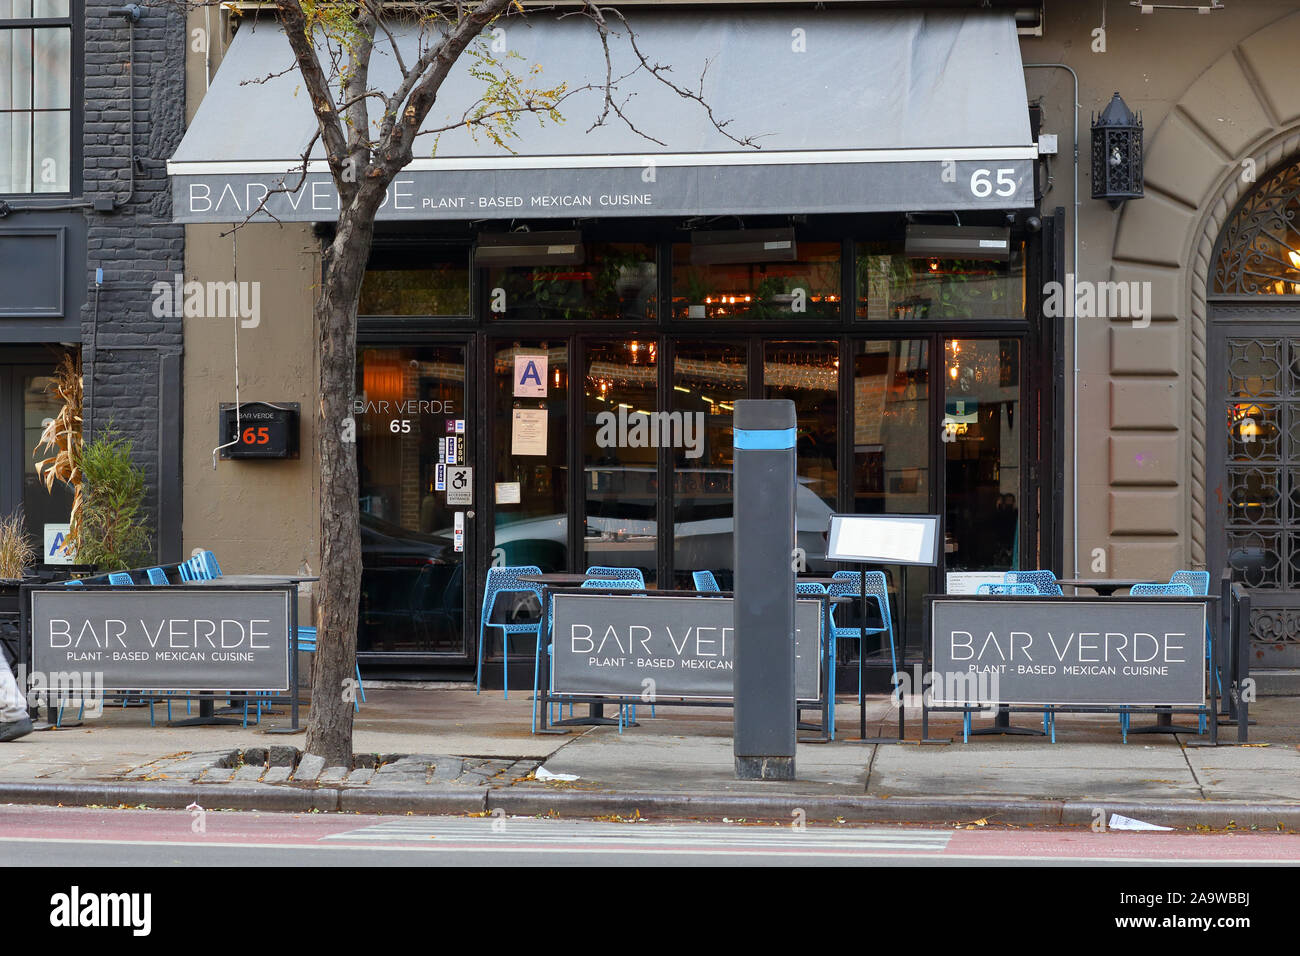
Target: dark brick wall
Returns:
[[140, 77]]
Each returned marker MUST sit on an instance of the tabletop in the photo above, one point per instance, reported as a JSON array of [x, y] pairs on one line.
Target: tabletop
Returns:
[[255, 579], [561, 578], [1105, 585]]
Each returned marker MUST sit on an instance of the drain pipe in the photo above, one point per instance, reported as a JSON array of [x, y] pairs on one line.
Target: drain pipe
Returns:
[[1074, 323]]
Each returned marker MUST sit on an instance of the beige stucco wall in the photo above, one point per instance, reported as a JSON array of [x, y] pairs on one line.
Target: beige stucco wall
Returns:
[[257, 516], [1213, 89]]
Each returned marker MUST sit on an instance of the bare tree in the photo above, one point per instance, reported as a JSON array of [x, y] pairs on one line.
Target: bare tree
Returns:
[[368, 136]]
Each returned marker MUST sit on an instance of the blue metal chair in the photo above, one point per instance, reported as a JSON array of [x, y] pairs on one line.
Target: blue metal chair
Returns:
[[73, 584], [1155, 590], [705, 581], [209, 562], [194, 570], [505, 581], [626, 712], [813, 589], [850, 584], [307, 643], [1049, 719], [1045, 581], [616, 574], [1007, 589], [120, 577], [157, 577], [1199, 582], [614, 584]]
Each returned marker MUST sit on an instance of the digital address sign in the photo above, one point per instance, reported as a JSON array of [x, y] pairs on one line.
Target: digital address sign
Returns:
[[259, 430]]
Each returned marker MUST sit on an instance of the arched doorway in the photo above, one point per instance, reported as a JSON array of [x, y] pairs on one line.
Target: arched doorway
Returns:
[[1253, 414]]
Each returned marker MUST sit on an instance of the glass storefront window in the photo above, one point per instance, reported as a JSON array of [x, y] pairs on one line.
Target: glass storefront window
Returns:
[[892, 438], [983, 415], [620, 465], [617, 281], [708, 377], [891, 427], [892, 286], [531, 477], [806, 288], [807, 373], [425, 287]]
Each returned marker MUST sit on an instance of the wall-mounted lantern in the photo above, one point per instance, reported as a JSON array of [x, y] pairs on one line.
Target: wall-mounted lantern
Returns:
[[1117, 153]]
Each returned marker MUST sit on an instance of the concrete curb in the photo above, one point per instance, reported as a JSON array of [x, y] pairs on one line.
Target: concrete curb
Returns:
[[210, 796], [657, 805]]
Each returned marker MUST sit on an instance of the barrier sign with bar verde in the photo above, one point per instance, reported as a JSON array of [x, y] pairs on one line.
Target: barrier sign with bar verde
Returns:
[[610, 645], [1059, 651]]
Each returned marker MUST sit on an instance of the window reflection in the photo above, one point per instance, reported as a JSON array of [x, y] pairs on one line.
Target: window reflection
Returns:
[[892, 286], [617, 281], [892, 438], [708, 377], [620, 455], [807, 373], [417, 285], [808, 287], [981, 438]]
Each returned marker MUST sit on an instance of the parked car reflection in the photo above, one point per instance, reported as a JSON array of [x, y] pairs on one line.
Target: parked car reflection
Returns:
[[412, 590]]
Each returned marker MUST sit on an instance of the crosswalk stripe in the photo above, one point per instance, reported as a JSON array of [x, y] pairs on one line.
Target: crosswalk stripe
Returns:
[[503, 830]]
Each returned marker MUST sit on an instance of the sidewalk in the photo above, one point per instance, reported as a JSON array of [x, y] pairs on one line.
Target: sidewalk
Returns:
[[442, 750]]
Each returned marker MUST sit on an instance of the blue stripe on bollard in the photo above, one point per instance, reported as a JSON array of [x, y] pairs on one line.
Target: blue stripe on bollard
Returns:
[[775, 439]]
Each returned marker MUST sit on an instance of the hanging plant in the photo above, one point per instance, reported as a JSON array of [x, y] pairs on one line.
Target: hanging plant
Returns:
[[62, 436]]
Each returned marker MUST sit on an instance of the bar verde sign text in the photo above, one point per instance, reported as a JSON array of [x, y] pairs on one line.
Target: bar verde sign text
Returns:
[[611, 645], [1105, 652], [175, 638]]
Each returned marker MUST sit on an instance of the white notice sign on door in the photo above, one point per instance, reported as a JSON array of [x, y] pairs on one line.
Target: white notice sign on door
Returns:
[[528, 431]]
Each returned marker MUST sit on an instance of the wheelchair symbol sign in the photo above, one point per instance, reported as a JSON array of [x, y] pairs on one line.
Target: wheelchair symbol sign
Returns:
[[460, 486]]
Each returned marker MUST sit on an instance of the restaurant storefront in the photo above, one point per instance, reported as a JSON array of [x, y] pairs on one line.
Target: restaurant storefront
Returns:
[[593, 401], [575, 322]]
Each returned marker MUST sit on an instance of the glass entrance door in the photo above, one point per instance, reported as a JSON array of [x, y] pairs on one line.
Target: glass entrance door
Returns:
[[27, 402], [418, 494]]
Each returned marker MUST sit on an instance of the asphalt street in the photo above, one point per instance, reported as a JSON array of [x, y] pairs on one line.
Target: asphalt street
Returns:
[[53, 836]]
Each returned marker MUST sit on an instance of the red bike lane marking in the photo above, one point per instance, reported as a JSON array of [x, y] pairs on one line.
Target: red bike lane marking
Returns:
[[171, 826], [1244, 846]]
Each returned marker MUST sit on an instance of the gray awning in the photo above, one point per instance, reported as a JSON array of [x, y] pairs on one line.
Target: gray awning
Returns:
[[854, 112]]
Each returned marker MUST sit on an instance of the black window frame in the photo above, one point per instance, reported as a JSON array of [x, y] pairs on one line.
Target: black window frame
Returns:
[[75, 22]]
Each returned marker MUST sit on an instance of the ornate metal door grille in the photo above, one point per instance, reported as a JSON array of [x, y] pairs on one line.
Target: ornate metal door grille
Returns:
[[1254, 447], [1259, 493]]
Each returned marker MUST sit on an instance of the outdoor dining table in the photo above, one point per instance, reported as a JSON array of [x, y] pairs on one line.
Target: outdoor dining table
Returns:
[[563, 579], [208, 714], [1106, 587]]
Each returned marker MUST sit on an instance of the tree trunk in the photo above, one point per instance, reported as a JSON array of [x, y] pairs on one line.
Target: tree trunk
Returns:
[[329, 728]]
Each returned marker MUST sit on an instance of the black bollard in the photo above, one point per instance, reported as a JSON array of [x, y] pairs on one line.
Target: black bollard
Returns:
[[764, 539]]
